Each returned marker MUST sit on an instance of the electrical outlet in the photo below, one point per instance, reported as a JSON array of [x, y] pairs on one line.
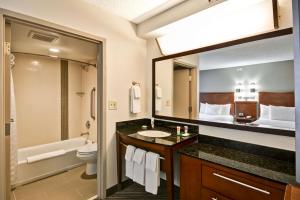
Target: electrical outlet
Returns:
[[112, 105]]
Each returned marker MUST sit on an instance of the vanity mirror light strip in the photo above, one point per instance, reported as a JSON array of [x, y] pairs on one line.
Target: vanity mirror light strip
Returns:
[[125, 145], [243, 184]]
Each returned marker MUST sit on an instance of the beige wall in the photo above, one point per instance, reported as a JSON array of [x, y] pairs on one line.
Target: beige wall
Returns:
[[75, 100], [37, 91], [125, 55]]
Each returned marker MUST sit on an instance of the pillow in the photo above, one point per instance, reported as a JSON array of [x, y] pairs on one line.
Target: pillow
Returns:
[[202, 107], [264, 112], [212, 109], [225, 109], [282, 113]]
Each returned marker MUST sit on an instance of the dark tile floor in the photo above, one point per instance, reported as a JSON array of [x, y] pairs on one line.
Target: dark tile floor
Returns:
[[137, 192]]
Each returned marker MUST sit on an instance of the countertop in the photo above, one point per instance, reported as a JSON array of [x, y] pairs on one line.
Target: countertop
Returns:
[[264, 166], [133, 129]]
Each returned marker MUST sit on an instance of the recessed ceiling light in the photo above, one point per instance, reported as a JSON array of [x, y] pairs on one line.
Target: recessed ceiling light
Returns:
[[54, 50], [35, 63]]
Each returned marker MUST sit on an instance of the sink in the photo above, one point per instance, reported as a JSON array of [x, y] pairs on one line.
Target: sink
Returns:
[[155, 134]]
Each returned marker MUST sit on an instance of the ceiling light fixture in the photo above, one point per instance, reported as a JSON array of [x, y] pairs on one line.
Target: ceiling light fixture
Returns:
[[54, 50], [230, 20]]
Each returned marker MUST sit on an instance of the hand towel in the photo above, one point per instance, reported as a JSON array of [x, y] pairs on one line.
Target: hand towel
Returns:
[[158, 92], [135, 103], [129, 161], [152, 181], [137, 91], [158, 105], [139, 160]]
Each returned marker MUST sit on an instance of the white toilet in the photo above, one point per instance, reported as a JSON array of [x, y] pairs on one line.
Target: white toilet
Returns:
[[88, 153]]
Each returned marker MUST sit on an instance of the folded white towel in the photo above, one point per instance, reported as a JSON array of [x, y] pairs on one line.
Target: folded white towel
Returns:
[[152, 181], [136, 91], [129, 161], [139, 160], [158, 105], [158, 92], [44, 156], [135, 103]]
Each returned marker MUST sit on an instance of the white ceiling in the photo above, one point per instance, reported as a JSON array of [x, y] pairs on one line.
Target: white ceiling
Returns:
[[258, 52], [70, 48], [135, 11]]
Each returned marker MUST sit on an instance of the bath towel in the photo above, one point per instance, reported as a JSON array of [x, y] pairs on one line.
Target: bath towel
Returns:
[[129, 161], [139, 160], [136, 91], [158, 92], [152, 181]]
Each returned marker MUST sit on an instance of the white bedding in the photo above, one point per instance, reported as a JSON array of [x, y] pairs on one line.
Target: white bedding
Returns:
[[275, 123], [216, 118]]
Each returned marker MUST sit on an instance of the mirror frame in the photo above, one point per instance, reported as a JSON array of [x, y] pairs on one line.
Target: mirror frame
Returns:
[[273, 34]]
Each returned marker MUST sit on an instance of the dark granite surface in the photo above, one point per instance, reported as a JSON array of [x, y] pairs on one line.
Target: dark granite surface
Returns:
[[131, 128], [271, 167]]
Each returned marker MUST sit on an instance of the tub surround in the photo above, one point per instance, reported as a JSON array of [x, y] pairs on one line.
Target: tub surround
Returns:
[[165, 147]]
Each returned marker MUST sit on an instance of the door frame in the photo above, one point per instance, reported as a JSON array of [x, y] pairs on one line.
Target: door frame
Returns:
[[101, 95]]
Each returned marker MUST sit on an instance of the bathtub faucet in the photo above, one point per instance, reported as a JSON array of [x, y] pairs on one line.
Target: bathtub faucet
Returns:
[[86, 133]]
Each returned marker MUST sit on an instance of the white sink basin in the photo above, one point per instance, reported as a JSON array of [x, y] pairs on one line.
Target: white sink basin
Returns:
[[155, 134]]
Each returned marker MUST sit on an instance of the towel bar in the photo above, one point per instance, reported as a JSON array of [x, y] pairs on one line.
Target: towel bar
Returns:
[[125, 145]]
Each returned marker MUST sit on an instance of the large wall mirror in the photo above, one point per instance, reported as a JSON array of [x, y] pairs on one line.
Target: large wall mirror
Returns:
[[248, 86]]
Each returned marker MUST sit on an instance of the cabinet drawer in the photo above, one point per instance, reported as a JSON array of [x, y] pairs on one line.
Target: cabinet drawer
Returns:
[[238, 187], [207, 194]]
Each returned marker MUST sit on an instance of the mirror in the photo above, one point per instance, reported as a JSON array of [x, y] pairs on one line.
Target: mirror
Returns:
[[246, 85]]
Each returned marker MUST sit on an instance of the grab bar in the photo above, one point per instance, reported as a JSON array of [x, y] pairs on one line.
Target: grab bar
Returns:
[[125, 145], [93, 92]]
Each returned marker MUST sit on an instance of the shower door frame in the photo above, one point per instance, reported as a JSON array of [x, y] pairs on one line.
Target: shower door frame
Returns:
[[101, 95]]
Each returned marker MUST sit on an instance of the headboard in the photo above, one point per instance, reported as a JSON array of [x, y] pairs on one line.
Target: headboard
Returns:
[[218, 98], [277, 98]]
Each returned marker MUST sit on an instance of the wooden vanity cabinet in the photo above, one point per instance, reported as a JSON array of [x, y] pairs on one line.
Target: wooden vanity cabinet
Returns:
[[203, 180]]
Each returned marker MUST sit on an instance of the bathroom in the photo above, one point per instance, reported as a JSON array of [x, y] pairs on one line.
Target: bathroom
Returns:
[[130, 40], [53, 139]]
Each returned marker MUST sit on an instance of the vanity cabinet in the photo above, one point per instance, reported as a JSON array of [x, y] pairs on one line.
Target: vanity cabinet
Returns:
[[207, 181]]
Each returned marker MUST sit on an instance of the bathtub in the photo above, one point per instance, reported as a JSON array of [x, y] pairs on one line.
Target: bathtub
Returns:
[[29, 172]]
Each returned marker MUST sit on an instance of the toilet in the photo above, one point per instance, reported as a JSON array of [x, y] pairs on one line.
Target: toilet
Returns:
[[88, 153]]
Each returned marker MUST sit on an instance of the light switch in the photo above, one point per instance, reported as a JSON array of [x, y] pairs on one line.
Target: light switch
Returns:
[[112, 105]]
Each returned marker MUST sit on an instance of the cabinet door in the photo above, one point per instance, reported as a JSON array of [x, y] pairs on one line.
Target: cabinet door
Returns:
[[207, 194], [190, 178]]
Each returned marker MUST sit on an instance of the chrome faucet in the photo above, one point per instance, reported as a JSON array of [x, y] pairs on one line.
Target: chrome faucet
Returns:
[[152, 122], [87, 136]]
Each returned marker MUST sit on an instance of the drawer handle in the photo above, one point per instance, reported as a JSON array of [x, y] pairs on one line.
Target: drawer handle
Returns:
[[243, 184]]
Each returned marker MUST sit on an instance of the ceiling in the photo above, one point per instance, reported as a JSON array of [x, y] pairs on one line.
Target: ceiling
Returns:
[[258, 52], [135, 11], [70, 47]]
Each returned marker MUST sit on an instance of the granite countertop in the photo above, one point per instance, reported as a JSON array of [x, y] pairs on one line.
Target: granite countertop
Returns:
[[275, 169], [131, 129]]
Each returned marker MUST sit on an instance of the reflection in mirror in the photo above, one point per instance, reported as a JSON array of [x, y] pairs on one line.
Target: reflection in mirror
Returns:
[[250, 84]]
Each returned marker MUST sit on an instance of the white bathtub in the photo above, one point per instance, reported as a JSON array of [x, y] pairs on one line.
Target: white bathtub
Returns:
[[28, 172]]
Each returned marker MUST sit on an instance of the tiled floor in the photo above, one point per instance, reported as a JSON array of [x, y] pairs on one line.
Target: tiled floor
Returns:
[[64, 186]]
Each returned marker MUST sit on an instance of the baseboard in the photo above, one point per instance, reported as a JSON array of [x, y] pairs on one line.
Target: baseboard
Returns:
[[110, 191]]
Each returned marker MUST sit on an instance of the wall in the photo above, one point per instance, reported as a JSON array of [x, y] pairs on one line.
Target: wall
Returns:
[[74, 99], [89, 81], [125, 55], [37, 90], [269, 77], [164, 78]]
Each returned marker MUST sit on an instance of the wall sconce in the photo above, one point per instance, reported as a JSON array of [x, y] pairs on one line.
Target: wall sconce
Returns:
[[233, 18], [238, 94]]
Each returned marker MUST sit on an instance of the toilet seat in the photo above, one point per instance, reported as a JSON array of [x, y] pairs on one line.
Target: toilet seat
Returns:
[[88, 149]]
